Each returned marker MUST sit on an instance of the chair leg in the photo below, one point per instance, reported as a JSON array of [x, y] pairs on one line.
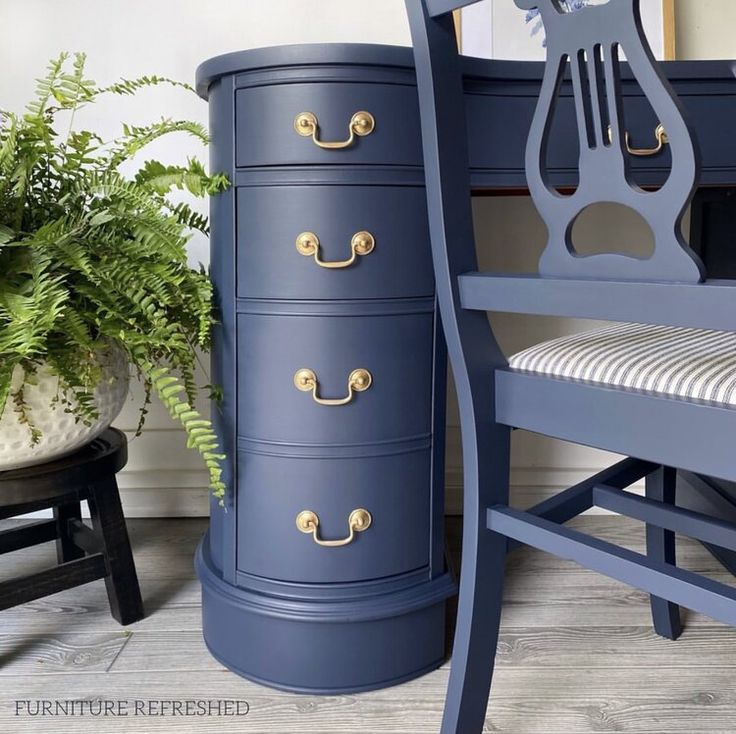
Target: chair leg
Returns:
[[661, 487], [108, 522], [66, 550], [481, 591]]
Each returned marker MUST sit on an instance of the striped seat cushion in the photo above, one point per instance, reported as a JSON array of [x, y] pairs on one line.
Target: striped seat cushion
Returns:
[[687, 363]]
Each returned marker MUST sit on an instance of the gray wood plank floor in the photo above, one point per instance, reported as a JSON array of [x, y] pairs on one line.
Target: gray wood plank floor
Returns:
[[577, 654]]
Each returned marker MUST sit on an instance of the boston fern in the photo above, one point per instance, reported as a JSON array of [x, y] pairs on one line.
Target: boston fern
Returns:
[[91, 257]]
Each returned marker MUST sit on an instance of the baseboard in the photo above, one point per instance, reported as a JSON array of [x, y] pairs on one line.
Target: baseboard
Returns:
[[528, 486], [150, 486], [159, 493], [541, 470], [164, 494], [169, 493]]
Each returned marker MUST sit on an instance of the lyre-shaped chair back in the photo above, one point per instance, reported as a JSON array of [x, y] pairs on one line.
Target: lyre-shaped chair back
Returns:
[[591, 39]]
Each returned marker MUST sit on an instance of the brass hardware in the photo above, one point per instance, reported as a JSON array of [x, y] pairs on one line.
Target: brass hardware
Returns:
[[359, 381], [361, 124], [363, 243], [660, 135], [308, 522]]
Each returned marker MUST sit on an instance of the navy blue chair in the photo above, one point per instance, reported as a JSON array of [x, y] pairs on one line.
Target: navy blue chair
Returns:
[[659, 386]]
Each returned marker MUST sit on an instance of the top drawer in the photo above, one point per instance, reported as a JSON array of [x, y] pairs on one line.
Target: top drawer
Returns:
[[265, 134]]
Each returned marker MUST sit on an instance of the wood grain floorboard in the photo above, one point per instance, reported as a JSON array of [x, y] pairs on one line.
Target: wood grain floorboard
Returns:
[[525, 701], [576, 655], [59, 654], [544, 648]]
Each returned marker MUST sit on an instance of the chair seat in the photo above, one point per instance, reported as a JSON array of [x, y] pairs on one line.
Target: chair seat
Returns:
[[685, 363]]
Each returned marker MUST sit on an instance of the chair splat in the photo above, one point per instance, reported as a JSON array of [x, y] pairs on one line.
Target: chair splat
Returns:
[[589, 43]]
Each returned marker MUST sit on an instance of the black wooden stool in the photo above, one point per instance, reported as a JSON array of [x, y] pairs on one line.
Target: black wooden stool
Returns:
[[84, 553]]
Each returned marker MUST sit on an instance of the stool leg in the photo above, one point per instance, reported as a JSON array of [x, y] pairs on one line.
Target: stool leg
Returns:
[[108, 522], [661, 487], [66, 550]]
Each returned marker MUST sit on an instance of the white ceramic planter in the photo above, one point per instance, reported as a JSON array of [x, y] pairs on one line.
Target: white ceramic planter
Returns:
[[61, 435]]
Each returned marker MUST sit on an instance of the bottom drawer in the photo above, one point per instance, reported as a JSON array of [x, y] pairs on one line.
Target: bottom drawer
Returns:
[[273, 491]]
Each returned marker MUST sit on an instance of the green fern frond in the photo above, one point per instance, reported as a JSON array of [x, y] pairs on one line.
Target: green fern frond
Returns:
[[204, 294], [6, 380], [32, 311], [72, 90], [188, 218], [132, 86], [79, 151], [24, 413], [77, 384], [199, 431], [155, 231], [134, 139], [8, 146], [6, 235], [192, 178], [76, 330], [45, 89], [143, 411]]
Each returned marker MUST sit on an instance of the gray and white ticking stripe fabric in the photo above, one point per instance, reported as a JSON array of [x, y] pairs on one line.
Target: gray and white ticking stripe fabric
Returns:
[[688, 363]]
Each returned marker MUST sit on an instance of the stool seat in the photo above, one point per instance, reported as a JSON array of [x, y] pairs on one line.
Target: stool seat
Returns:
[[22, 489], [84, 553]]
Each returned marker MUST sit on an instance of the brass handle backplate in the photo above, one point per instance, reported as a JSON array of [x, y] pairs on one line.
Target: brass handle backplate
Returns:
[[308, 522], [359, 381], [361, 124], [363, 243], [660, 135]]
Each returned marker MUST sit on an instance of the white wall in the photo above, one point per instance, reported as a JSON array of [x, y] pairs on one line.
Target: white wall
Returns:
[[705, 29], [495, 29], [170, 37]]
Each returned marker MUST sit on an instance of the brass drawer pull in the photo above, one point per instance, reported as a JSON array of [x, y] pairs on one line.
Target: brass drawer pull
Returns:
[[660, 135], [359, 381], [363, 243], [361, 124], [308, 522]]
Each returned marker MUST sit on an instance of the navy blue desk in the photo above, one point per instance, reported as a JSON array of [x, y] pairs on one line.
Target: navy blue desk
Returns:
[[326, 573]]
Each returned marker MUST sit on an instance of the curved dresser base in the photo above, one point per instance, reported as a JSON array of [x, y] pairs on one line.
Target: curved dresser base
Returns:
[[339, 647]]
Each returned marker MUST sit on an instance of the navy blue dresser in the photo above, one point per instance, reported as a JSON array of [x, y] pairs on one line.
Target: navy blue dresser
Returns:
[[325, 570]]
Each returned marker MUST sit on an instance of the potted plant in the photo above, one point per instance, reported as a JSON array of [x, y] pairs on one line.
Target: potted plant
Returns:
[[94, 278]]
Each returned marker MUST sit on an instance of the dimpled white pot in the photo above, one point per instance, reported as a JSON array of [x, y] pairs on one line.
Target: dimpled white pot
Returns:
[[61, 435]]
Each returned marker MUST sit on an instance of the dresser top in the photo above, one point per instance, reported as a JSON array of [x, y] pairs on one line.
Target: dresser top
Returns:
[[356, 54]]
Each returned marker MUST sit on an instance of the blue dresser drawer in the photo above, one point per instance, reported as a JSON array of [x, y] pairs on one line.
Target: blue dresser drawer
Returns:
[[266, 134], [274, 491], [395, 350], [271, 220]]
